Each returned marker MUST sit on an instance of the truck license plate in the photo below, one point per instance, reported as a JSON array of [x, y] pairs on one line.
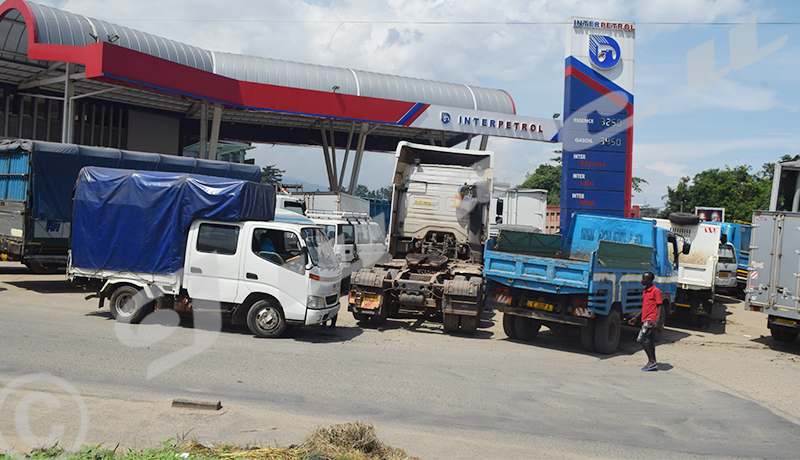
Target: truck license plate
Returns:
[[723, 275], [786, 321], [540, 305], [370, 301]]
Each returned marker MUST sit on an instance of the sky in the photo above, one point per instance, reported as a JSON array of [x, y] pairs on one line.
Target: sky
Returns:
[[715, 81]]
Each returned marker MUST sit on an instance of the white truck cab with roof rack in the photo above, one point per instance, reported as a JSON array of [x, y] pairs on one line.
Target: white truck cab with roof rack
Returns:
[[357, 240]]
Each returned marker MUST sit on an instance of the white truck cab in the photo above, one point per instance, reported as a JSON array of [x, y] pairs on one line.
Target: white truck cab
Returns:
[[295, 283]]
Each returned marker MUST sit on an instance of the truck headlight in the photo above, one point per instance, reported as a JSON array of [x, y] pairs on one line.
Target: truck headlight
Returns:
[[316, 303]]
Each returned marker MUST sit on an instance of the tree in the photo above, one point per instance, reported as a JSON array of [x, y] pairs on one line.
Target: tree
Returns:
[[735, 189], [271, 175], [383, 193], [548, 177], [361, 190]]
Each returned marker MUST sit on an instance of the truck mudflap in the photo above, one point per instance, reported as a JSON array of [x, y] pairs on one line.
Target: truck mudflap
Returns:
[[544, 315], [463, 296]]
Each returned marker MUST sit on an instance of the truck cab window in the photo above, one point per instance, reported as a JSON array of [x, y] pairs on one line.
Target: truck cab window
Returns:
[[279, 247], [217, 239]]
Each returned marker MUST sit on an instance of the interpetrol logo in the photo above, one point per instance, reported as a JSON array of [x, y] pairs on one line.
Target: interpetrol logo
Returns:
[[603, 51], [445, 117]]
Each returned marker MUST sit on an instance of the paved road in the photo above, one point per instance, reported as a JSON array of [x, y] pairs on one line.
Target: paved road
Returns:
[[722, 393]]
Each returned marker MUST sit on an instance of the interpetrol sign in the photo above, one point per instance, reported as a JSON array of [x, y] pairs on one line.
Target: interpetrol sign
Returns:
[[480, 122], [598, 110]]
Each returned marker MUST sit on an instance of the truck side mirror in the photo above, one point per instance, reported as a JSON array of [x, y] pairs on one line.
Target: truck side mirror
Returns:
[[723, 239], [499, 208], [687, 246], [307, 264]]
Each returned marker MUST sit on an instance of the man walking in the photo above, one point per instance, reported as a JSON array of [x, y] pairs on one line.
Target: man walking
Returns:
[[651, 299]]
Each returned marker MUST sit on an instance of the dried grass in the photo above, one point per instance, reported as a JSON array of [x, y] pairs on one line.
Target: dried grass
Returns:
[[348, 441], [356, 441]]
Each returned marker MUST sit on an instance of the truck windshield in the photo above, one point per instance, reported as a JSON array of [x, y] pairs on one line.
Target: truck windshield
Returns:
[[319, 249], [726, 255]]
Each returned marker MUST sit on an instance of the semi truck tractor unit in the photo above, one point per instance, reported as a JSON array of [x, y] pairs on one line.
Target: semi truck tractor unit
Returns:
[[439, 221]]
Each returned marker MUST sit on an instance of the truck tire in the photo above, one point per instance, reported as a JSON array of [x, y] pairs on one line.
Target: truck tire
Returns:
[[782, 335], [265, 320], [606, 333], [587, 336], [508, 326], [41, 268], [469, 324], [128, 305], [361, 317], [381, 316], [526, 328], [684, 218], [450, 322]]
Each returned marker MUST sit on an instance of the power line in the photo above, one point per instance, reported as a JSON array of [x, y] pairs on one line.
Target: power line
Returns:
[[477, 23]]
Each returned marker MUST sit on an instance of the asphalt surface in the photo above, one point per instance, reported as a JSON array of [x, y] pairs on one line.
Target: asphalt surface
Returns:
[[69, 372]]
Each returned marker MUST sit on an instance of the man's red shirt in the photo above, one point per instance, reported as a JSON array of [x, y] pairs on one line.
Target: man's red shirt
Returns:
[[651, 299]]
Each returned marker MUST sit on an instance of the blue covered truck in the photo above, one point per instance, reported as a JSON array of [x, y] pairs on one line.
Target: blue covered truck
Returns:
[[149, 240], [589, 279], [36, 184]]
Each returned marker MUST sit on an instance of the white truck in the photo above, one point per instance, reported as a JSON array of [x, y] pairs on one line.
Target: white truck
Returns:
[[185, 242], [439, 222], [335, 202], [773, 286], [520, 207], [697, 269]]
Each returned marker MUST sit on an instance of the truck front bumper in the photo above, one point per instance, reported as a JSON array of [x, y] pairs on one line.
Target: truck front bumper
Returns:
[[320, 316]]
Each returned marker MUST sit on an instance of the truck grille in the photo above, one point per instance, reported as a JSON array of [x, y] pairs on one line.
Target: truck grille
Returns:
[[331, 299]]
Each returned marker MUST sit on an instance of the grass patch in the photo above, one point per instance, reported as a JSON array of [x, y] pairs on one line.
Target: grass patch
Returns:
[[348, 441]]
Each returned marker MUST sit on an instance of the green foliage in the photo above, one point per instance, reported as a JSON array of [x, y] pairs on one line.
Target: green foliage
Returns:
[[735, 189], [270, 174], [383, 193], [546, 177]]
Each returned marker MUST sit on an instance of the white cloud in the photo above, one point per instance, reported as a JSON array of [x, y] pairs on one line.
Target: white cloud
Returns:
[[667, 169]]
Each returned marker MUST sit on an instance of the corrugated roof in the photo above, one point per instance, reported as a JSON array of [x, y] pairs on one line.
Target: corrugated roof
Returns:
[[59, 27]]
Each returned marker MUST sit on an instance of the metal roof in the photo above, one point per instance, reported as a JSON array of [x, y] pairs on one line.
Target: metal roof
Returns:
[[57, 27]]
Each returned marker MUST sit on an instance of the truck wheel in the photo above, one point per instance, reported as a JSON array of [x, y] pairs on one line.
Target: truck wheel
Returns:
[[694, 319], [42, 268], [381, 316], [587, 336], [361, 317], [508, 326], [606, 333], [450, 322], [128, 305], [469, 324], [265, 319], [782, 335], [526, 328]]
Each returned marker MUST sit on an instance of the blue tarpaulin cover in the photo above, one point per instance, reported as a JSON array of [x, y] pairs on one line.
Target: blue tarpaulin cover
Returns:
[[56, 167], [138, 220]]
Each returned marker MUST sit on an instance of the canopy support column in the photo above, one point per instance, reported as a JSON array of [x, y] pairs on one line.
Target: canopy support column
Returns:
[[203, 152], [69, 91], [362, 143], [215, 122], [347, 153], [326, 154], [484, 141]]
